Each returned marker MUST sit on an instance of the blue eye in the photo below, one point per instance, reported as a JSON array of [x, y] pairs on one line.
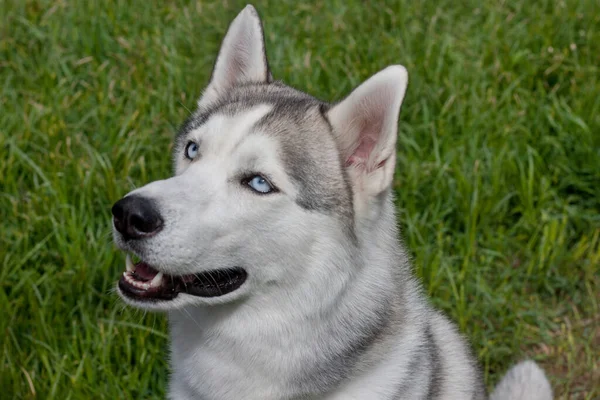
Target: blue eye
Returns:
[[191, 150], [259, 184]]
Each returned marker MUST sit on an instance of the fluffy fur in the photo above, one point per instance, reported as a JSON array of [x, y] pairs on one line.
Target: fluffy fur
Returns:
[[330, 309]]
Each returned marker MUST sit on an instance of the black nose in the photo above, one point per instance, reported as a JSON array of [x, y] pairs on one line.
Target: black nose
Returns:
[[136, 217]]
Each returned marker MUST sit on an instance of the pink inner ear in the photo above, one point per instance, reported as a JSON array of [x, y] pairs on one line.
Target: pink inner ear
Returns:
[[367, 138], [362, 152]]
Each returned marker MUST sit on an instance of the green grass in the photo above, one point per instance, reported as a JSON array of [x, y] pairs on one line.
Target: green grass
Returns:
[[498, 177]]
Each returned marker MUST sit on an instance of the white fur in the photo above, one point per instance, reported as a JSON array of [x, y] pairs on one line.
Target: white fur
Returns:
[[524, 381]]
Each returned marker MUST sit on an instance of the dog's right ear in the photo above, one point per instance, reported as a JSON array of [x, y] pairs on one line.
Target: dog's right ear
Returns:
[[242, 58]]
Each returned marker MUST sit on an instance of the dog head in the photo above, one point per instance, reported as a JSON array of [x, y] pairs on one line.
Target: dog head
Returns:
[[267, 180]]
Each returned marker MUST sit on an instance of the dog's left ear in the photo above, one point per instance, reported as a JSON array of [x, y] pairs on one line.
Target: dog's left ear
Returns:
[[242, 58], [366, 126]]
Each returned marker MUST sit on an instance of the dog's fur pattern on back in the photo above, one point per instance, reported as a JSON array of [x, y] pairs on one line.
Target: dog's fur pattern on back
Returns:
[[330, 309]]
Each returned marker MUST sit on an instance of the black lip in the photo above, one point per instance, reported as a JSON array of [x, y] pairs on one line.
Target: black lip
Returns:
[[207, 284]]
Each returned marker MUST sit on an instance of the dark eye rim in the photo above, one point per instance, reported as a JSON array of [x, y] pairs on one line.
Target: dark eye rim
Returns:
[[187, 146], [245, 181]]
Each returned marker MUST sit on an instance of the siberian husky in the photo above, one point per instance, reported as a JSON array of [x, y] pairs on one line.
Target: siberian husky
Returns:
[[275, 252]]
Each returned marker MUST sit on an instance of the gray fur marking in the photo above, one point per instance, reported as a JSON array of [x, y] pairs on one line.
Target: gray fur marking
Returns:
[[436, 375], [415, 367], [295, 116]]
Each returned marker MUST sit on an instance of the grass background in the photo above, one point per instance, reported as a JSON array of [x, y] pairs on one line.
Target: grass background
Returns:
[[498, 177]]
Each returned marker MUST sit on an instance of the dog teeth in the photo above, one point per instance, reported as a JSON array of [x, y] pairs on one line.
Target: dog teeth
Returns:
[[129, 264], [157, 280], [131, 280], [128, 274]]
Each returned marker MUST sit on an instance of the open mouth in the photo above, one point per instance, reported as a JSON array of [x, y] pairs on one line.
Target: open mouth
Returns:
[[142, 282]]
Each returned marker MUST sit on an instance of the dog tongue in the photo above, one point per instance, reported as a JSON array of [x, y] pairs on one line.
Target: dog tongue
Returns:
[[144, 272]]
